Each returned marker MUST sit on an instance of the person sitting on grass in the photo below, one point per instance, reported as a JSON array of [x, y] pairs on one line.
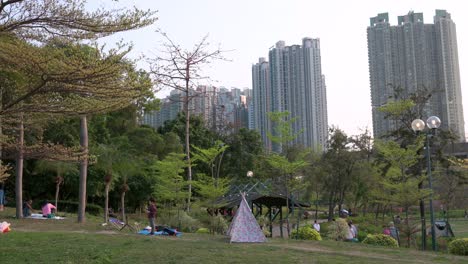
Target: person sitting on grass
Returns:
[[47, 209], [351, 236], [27, 208]]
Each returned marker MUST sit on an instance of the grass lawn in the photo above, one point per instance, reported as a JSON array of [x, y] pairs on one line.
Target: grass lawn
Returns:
[[459, 227], [65, 241]]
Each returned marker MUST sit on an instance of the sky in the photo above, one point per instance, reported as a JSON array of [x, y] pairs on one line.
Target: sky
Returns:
[[248, 28]]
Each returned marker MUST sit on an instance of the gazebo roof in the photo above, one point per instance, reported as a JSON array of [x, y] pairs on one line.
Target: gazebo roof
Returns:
[[259, 193]]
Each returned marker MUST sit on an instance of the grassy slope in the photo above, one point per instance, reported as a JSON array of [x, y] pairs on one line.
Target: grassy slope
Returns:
[[65, 241]]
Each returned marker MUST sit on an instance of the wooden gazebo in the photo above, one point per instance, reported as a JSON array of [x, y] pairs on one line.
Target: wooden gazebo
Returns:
[[262, 200]]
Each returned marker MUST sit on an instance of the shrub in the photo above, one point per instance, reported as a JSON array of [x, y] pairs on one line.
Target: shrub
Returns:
[[338, 230], [380, 240], [365, 229], [203, 230], [174, 219], [219, 225], [459, 247], [306, 233]]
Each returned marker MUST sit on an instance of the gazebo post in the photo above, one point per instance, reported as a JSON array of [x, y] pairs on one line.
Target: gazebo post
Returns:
[[281, 220], [271, 220]]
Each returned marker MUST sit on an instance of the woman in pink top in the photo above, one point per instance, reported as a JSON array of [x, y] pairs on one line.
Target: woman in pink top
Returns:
[[47, 209]]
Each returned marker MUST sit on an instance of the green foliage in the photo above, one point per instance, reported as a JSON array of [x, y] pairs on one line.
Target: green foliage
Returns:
[[282, 126], [459, 247], [178, 219], [219, 225], [202, 230], [245, 146], [398, 186], [170, 185], [210, 156], [380, 240], [306, 233], [338, 230], [367, 228], [4, 172], [200, 135], [397, 108], [210, 189]]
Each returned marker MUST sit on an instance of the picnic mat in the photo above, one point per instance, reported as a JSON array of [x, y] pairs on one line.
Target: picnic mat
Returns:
[[39, 216], [164, 232]]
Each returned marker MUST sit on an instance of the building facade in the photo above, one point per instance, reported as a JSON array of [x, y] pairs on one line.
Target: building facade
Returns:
[[223, 110], [292, 81], [413, 56]]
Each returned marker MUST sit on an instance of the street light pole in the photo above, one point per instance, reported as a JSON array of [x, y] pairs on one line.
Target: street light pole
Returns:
[[429, 176], [418, 125]]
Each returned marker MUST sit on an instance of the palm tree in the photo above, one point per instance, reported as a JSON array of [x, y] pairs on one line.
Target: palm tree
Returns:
[[61, 168]]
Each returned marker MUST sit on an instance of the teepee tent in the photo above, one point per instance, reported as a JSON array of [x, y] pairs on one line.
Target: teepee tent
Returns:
[[244, 226]]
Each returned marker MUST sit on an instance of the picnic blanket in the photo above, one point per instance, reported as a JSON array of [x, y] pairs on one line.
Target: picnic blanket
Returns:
[[39, 216], [164, 232]]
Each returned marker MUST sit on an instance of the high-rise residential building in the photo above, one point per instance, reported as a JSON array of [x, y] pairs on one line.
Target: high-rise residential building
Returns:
[[261, 99], [292, 81], [222, 110], [413, 56]]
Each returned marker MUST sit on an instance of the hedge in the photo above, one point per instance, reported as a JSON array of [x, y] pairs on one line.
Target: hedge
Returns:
[[459, 247], [380, 240]]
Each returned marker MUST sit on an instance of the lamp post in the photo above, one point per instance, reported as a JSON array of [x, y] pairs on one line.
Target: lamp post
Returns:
[[418, 125]]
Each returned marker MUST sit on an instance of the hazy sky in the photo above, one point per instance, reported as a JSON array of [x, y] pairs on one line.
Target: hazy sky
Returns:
[[250, 27]]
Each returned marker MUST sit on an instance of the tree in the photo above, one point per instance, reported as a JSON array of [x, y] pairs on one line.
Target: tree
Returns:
[[212, 157], [452, 178], [291, 161], [340, 162], [210, 190], [107, 156], [245, 148], [402, 110], [182, 70], [171, 185], [60, 168], [400, 187], [41, 21]]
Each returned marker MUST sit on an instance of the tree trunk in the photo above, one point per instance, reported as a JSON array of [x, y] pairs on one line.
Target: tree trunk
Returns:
[[57, 190], [187, 143], [219, 168], [2, 184], [83, 170], [106, 202], [122, 204], [331, 206], [423, 223], [288, 210], [316, 205], [19, 172], [377, 213]]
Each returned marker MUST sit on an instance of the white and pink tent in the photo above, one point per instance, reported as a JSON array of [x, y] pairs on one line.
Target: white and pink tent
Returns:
[[244, 226]]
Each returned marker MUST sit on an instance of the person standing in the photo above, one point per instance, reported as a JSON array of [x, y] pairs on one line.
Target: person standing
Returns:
[[394, 232], [152, 214], [317, 226], [2, 198]]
